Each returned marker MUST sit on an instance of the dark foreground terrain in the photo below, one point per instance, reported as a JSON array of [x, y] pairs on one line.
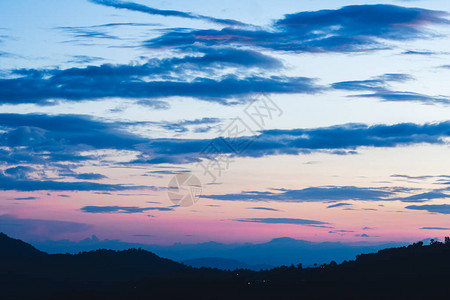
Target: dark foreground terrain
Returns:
[[413, 272]]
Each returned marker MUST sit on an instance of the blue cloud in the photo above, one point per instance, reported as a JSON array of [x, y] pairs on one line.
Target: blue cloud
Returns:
[[338, 205], [166, 13], [341, 139], [263, 208], [153, 80], [292, 221], [320, 194], [424, 197], [434, 228], [379, 88], [348, 29], [437, 208], [10, 183], [121, 209]]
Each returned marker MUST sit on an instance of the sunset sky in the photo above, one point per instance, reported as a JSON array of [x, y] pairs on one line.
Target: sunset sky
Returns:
[[329, 120]]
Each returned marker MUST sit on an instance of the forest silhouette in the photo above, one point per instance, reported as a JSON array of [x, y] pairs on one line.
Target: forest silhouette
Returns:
[[417, 271]]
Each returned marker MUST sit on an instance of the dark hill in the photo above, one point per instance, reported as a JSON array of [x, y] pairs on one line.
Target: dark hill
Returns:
[[413, 272], [12, 247]]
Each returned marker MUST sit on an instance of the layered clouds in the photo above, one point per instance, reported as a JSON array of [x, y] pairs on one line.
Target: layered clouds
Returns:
[[172, 77]]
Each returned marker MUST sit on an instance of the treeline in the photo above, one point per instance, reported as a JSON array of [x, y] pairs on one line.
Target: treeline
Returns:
[[417, 271]]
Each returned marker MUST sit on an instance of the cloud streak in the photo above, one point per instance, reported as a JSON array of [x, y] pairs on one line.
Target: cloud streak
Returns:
[[352, 28], [437, 208], [165, 13], [121, 209], [290, 221]]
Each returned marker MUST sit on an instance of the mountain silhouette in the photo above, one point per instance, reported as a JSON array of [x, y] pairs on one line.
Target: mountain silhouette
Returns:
[[12, 247], [413, 272]]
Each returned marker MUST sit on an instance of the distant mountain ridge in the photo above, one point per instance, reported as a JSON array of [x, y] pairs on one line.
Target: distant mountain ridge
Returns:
[[279, 251]]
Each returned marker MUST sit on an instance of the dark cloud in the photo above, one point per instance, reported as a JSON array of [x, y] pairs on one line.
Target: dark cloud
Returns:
[[121, 209], [338, 205], [12, 184], [89, 176], [407, 96], [166, 13], [437, 208], [412, 177], [50, 132], [434, 228], [263, 208], [330, 193], [84, 59], [19, 172], [340, 232], [362, 235], [292, 221], [379, 86], [341, 139], [415, 52], [87, 33], [424, 197], [183, 126], [312, 194], [25, 198], [155, 79], [348, 29]]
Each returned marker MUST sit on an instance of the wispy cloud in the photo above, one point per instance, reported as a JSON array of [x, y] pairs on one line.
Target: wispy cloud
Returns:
[[133, 6], [348, 29], [436, 208], [121, 209], [434, 228], [291, 221], [379, 88]]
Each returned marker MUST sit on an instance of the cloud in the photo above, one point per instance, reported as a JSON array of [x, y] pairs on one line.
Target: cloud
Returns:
[[340, 232], [352, 28], [12, 184], [340, 139], [183, 126], [191, 76], [87, 33], [264, 208], [412, 177], [25, 198], [46, 140], [362, 235], [379, 86], [291, 221], [424, 197], [338, 205], [434, 228], [89, 176], [35, 228], [50, 132], [166, 13], [121, 209], [19, 172], [84, 59], [441, 209], [312, 194], [367, 228]]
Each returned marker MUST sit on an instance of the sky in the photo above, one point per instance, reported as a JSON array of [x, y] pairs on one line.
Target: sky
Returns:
[[315, 120]]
